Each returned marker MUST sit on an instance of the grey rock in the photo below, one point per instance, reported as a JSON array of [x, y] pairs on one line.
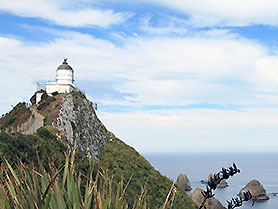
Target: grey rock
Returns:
[[183, 182], [78, 120], [211, 203], [256, 189]]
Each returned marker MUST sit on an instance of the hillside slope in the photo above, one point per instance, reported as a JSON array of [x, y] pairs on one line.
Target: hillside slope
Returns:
[[28, 148], [71, 120], [12, 121], [124, 161]]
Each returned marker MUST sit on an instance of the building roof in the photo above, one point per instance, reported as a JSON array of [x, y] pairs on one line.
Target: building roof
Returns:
[[65, 66]]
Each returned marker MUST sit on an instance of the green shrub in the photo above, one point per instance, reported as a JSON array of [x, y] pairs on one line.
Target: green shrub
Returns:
[[10, 121], [46, 134]]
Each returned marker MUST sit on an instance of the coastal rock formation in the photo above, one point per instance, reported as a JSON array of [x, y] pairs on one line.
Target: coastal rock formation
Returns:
[[256, 189], [183, 182], [78, 120], [222, 184], [211, 203]]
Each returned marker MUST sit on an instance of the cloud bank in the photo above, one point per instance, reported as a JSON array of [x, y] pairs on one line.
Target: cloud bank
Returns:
[[159, 71], [177, 86], [226, 13], [64, 13]]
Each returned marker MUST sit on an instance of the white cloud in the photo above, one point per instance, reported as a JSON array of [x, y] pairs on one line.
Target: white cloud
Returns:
[[201, 13], [62, 13], [170, 26], [226, 13], [225, 71], [197, 130], [268, 69]]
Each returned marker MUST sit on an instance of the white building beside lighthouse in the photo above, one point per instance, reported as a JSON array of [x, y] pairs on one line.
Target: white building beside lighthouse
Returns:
[[64, 80]]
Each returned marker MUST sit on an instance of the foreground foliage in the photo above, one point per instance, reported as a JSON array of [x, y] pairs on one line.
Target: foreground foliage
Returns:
[[61, 188], [119, 159], [224, 174], [64, 187]]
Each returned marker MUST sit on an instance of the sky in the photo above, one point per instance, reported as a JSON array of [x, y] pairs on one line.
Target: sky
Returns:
[[168, 75]]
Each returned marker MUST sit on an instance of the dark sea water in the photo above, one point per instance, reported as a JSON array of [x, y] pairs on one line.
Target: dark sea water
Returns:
[[259, 166]]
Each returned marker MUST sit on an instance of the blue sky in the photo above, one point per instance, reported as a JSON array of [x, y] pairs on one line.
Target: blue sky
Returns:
[[168, 75]]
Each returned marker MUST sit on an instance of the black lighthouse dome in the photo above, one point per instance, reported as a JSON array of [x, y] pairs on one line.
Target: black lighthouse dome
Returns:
[[65, 66]]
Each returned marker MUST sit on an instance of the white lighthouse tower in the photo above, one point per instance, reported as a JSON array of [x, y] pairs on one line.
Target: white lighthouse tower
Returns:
[[64, 80]]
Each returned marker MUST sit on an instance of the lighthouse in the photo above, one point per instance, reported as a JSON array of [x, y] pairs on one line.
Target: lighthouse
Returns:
[[64, 80]]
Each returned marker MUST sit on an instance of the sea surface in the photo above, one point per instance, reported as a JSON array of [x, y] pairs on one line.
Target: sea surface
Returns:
[[197, 166]]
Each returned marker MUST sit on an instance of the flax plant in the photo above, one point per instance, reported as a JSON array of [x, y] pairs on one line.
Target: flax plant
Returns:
[[64, 188]]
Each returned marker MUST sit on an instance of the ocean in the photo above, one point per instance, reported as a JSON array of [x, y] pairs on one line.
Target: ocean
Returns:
[[197, 166]]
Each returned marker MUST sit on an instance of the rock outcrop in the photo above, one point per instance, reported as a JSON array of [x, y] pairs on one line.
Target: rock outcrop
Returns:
[[211, 203], [222, 184], [78, 120], [256, 189], [183, 182]]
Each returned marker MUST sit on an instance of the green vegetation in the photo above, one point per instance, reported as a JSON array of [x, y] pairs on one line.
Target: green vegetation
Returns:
[[118, 165], [123, 161], [79, 95], [62, 188], [146, 182], [43, 145], [26, 148], [17, 116]]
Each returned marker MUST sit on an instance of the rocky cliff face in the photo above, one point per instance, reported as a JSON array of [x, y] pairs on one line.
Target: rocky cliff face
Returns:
[[78, 120]]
